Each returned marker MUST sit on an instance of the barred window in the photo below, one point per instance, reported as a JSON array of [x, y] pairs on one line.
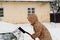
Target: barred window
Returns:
[[31, 10], [1, 12]]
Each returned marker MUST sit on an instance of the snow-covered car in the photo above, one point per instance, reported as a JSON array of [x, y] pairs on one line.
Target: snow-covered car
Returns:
[[10, 31]]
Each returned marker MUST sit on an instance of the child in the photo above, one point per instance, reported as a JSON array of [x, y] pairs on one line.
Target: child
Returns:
[[40, 30]]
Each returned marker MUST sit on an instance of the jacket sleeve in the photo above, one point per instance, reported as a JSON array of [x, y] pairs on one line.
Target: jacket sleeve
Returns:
[[37, 28]]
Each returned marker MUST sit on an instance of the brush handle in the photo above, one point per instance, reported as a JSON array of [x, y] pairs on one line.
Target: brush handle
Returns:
[[24, 31]]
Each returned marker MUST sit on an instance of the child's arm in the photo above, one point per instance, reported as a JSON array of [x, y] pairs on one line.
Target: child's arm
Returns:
[[38, 29]]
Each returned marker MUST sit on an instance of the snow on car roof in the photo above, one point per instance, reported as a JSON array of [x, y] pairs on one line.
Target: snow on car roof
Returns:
[[7, 27]]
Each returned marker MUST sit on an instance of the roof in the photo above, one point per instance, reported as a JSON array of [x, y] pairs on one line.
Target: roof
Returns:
[[26, 0]]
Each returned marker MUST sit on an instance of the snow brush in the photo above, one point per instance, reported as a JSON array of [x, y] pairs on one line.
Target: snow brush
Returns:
[[24, 31]]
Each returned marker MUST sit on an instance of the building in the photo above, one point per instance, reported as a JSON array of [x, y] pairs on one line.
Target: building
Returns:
[[16, 11]]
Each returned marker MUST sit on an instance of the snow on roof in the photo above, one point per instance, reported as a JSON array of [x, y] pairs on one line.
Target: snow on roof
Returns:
[[26, 0]]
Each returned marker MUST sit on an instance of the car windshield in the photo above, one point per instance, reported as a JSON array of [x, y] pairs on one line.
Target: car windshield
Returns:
[[7, 36]]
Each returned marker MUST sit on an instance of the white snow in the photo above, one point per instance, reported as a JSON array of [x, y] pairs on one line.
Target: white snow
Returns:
[[7, 27], [54, 29]]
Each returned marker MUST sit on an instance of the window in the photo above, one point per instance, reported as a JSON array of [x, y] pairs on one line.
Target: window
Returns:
[[31, 10], [1, 12]]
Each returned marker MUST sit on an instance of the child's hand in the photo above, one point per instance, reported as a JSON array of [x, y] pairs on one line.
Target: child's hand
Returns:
[[32, 36]]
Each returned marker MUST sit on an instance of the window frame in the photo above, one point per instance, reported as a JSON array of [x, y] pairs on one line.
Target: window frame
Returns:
[[31, 10], [1, 12]]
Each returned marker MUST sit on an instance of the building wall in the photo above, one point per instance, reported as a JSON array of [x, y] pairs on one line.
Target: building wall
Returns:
[[16, 12]]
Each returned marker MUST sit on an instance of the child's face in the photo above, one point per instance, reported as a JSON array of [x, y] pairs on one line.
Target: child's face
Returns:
[[32, 18]]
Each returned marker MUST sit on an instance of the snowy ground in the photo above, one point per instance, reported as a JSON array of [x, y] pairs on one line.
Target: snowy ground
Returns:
[[54, 29]]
